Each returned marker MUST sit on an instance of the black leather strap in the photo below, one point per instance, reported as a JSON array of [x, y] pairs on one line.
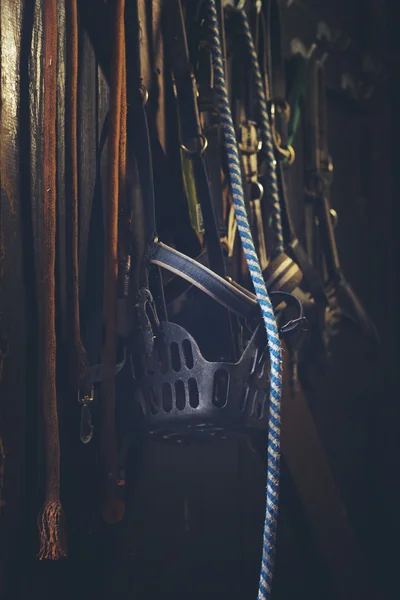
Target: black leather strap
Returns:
[[193, 141], [232, 296], [184, 82], [276, 67], [235, 299], [194, 144], [208, 107], [321, 167], [319, 171], [246, 118], [271, 43]]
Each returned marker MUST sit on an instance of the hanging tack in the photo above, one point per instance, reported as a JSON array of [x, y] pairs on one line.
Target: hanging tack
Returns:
[[282, 274]]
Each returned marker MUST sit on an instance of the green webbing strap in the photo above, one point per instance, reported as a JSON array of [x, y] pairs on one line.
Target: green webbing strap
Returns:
[[297, 91], [195, 214]]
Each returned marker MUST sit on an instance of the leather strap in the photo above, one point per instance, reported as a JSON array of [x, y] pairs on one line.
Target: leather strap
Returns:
[[322, 167], [208, 107], [235, 299], [232, 296], [245, 112], [193, 141], [319, 171], [276, 78], [113, 507], [183, 77]]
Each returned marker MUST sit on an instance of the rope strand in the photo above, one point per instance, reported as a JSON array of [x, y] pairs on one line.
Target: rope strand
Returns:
[[274, 345]]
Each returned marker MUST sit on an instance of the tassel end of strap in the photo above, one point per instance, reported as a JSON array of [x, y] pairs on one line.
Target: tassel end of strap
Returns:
[[52, 532]]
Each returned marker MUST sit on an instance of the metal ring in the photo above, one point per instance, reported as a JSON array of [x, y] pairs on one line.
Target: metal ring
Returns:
[[144, 93], [292, 154], [203, 145], [335, 217], [287, 152], [260, 189], [281, 106], [235, 4]]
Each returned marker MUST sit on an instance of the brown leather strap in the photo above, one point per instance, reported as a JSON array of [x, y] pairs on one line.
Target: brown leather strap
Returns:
[[52, 541], [113, 509], [124, 225], [77, 354]]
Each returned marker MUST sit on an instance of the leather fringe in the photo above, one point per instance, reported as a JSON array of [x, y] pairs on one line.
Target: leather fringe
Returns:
[[52, 536]]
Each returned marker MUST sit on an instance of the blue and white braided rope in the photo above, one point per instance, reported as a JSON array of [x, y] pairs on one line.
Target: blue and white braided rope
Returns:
[[266, 135], [274, 345]]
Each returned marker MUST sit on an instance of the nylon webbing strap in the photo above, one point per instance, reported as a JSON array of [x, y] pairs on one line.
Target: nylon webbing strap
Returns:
[[296, 93]]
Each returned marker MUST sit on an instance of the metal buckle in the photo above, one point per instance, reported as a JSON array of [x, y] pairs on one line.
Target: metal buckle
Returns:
[[325, 172], [248, 141], [86, 397], [86, 427], [147, 322], [249, 145], [281, 107]]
